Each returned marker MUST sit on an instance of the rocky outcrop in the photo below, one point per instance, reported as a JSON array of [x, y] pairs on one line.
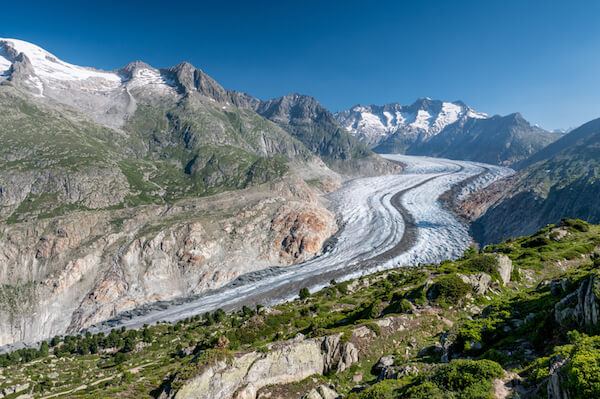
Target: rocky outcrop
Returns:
[[322, 392], [556, 388], [301, 232], [479, 281], [582, 307], [338, 355], [504, 267], [285, 362], [93, 188], [86, 267]]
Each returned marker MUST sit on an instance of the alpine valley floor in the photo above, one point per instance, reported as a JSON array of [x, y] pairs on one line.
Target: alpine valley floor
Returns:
[[386, 221]]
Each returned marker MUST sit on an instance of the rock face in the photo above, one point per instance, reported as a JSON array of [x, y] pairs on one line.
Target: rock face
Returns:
[[85, 267], [479, 281], [545, 191], [555, 383], [301, 232], [505, 267], [582, 307], [322, 392], [284, 362]]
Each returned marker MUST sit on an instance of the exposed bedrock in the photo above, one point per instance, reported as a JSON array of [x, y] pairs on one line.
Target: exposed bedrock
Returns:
[[89, 266]]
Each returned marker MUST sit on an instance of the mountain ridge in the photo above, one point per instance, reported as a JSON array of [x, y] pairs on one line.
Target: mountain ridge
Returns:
[[440, 128]]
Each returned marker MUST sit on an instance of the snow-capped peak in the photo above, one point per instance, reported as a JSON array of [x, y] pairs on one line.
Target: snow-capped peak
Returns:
[[47, 66], [424, 118]]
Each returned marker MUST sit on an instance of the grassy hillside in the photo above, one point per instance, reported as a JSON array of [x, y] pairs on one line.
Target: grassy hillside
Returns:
[[55, 160], [460, 343]]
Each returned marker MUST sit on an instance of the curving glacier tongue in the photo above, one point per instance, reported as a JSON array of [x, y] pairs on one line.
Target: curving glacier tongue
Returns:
[[372, 238]]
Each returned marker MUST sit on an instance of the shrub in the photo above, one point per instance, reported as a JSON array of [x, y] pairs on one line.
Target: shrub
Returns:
[[387, 389], [576, 224], [458, 379], [219, 315], [448, 288], [399, 305], [425, 390], [304, 293], [537, 242], [482, 263]]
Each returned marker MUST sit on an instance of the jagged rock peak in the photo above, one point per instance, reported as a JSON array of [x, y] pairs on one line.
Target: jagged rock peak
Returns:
[[190, 79], [130, 70], [294, 108]]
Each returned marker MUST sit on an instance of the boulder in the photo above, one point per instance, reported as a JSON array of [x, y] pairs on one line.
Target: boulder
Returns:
[[555, 382], [384, 368], [383, 363], [582, 307], [321, 392], [505, 267], [479, 281]]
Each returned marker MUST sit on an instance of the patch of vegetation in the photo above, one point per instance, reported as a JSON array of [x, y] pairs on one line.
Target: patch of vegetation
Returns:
[[448, 289]]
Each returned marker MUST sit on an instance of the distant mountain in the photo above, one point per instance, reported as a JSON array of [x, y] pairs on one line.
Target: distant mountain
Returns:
[[562, 180], [394, 127], [496, 140], [445, 129]]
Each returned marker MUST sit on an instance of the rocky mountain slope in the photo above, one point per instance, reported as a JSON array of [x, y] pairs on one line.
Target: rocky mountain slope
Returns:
[[561, 181], [518, 319], [377, 125], [311, 123], [112, 189], [444, 129]]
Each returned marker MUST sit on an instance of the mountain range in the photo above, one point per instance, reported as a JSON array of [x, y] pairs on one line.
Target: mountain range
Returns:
[[562, 180], [127, 187], [445, 129], [114, 186]]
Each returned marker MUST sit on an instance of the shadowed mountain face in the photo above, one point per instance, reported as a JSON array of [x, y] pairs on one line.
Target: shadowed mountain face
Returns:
[[496, 140], [561, 181], [444, 129], [311, 123]]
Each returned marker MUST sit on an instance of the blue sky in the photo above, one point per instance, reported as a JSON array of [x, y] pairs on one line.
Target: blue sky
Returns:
[[541, 58]]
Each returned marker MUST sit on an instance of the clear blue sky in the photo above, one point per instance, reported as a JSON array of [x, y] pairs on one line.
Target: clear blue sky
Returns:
[[541, 58]]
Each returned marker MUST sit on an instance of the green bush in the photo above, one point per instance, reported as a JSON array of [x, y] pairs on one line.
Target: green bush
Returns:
[[375, 328], [425, 390], [468, 379], [387, 389], [482, 263], [448, 289], [576, 224], [304, 293], [537, 242]]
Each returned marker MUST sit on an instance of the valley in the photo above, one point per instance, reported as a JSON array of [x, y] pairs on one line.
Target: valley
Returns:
[[372, 237]]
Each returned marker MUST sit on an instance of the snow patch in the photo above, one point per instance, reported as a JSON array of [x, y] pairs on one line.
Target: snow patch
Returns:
[[49, 67]]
